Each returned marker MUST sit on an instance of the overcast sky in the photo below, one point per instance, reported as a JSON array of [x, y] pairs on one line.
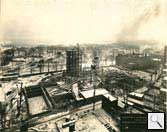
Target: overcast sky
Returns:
[[83, 21]]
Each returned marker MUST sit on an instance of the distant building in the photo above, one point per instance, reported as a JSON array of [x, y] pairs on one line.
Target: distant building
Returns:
[[165, 57], [6, 55], [136, 62]]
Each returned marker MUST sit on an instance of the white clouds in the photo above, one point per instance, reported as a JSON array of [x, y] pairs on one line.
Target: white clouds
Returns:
[[72, 21]]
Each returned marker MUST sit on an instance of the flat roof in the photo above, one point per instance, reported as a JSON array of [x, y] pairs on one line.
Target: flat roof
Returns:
[[141, 90], [39, 103], [136, 94], [90, 93], [88, 123], [110, 97], [163, 89], [85, 122], [100, 91], [135, 101]]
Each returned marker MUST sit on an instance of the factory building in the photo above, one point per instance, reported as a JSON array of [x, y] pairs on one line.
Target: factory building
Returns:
[[73, 62]]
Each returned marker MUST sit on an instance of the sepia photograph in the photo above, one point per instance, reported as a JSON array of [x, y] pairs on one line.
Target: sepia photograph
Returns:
[[83, 65]]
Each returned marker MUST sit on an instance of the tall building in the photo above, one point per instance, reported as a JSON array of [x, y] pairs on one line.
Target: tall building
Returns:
[[73, 62], [165, 55]]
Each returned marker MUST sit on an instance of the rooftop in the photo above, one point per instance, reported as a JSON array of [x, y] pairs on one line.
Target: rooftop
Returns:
[[137, 94], [97, 121], [110, 97], [37, 105], [90, 93], [88, 124]]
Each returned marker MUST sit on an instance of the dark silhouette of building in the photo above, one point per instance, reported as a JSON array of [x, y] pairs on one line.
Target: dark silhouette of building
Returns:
[[165, 55], [6, 56], [73, 62]]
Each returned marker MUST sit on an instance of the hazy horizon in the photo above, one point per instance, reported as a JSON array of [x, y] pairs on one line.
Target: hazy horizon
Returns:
[[83, 21]]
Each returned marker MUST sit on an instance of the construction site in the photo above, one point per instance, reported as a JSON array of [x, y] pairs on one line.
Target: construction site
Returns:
[[79, 88]]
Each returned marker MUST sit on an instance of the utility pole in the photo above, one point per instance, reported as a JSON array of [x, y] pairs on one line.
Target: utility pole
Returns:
[[20, 98], [23, 126], [2, 114]]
